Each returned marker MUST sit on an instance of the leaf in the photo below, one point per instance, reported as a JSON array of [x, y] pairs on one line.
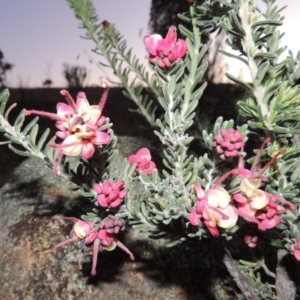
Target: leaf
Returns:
[[244, 84], [43, 139], [30, 125], [262, 55], [144, 178], [233, 56], [113, 156], [33, 133], [266, 23], [19, 121], [19, 152]]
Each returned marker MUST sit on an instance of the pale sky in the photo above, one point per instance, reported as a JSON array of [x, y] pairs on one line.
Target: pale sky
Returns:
[[39, 36]]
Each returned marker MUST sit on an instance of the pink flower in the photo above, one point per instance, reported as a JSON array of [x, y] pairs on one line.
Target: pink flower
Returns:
[[251, 241], [142, 160], [77, 124], [268, 216], [110, 194], [101, 239], [214, 208], [228, 143], [165, 51]]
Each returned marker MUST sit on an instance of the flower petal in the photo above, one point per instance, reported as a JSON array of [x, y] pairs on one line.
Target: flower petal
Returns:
[[64, 110], [88, 150], [74, 145], [151, 42], [100, 138]]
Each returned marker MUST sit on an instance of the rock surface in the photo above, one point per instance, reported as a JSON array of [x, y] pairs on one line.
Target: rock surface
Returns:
[[32, 199]]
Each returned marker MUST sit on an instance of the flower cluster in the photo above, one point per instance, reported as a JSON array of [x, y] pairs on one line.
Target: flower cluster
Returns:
[[110, 194], [77, 125], [99, 239], [143, 162], [218, 208], [228, 143], [254, 204], [165, 51]]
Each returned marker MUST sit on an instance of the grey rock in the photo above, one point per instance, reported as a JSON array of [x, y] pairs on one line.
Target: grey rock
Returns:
[[32, 199]]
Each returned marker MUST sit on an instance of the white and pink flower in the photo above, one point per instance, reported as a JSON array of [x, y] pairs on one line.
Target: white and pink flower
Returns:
[[90, 237], [215, 209], [77, 124]]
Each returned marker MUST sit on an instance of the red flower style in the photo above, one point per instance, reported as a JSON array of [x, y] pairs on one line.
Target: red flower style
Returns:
[[142, 160], [165, 51], [110, 194], [102, 239], [77, 125]]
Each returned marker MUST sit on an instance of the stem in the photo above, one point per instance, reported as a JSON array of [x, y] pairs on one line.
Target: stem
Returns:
[[20, 137], [251, 50], [196, 29]]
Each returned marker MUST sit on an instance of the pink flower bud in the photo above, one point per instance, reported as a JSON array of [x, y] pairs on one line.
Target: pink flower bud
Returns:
[[251, 241], [228, 143], [110, 194]]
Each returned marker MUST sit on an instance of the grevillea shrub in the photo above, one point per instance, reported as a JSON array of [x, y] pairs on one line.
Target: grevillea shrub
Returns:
[[243, 198]]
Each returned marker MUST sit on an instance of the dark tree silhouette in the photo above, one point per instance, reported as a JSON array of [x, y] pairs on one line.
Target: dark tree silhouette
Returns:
[[163, 14], [75, 75], [4, 67], [47, 83]]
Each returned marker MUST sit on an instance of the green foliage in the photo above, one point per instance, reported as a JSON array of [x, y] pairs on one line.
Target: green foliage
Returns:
[[28, 138]]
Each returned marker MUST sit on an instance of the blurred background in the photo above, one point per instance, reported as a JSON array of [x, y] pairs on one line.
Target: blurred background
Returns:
[[41, 43]]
